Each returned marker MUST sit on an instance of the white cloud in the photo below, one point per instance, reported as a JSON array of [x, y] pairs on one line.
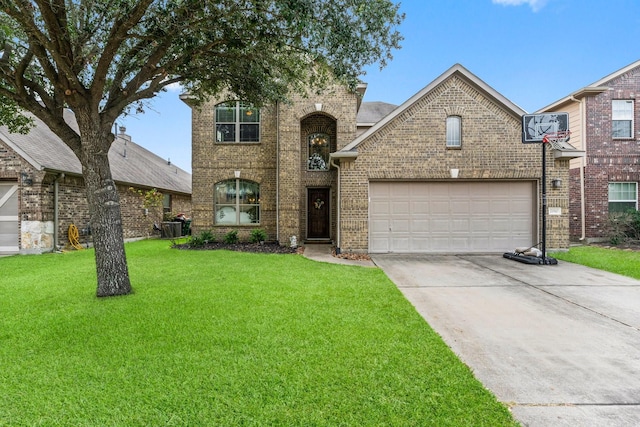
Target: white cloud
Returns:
[[535, 5], [174, 87]]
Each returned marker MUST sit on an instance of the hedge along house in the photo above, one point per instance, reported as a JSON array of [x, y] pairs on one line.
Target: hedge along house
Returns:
[[444, 172], [42, 190]]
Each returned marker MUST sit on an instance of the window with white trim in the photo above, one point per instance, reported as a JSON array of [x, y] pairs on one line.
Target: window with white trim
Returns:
[[237, 122], [622, 118], [454, 132], [237, 202], [623, 196]]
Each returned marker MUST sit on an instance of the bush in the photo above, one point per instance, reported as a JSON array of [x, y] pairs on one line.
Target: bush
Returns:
[[202, 239], [258, 235], [231, 237], [623, 227]]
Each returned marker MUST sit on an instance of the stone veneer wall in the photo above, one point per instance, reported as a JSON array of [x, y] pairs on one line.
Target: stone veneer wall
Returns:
[[412, 147]]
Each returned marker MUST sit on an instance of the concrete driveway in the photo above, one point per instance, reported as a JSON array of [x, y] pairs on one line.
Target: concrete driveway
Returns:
[[559, 344]]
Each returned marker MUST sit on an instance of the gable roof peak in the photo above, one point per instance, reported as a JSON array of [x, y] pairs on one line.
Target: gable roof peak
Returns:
[[457, 70]]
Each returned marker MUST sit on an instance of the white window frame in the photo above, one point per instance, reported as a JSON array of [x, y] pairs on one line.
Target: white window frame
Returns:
[[236, 212], [237, 124], [454, 131], [628, 188], [622, 115]]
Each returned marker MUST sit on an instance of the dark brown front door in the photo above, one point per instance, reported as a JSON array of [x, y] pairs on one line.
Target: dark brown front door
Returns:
[[318, 218]]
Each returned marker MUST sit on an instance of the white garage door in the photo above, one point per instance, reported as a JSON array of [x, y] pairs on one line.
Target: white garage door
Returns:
[[8, 218], [461, 217]]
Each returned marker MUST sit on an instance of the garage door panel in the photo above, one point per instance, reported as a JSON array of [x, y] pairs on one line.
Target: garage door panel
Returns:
[[380, 207], [451, 216], [401, 207], [8, 217], [379, 225], [400, 225]]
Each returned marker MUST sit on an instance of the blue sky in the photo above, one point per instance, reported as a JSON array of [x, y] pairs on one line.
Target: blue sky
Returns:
[[533, 52]]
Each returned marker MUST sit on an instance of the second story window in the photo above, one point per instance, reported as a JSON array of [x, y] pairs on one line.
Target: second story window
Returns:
[[454, 132], [237, 122], [622, 118]]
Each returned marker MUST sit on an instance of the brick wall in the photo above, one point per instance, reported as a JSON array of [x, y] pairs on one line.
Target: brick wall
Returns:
[[36, 205], [412, 147], [608, 159], [280, 155]]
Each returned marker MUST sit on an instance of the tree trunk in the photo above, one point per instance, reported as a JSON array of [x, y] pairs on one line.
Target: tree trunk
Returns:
[[105, 216]]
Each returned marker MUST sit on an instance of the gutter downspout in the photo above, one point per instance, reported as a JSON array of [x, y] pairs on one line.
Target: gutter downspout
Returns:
[[278, 172], [350, 155], [332, 163], [582, 166], [56, 238]]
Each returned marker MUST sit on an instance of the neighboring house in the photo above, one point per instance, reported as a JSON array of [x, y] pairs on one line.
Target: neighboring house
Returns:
[[444, 172], [42, 190], [603, 122]]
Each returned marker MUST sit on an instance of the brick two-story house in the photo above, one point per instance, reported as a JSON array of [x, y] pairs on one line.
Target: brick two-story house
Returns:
[[603, 117], [42, 190], [444, 172]]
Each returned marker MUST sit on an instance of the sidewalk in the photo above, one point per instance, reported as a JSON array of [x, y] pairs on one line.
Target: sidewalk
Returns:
[[323, 253]]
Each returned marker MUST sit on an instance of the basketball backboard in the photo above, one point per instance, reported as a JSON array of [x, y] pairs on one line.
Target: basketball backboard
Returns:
[[536, 126]]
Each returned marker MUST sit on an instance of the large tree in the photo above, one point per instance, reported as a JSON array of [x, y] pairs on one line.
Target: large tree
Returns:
[[105, 58]]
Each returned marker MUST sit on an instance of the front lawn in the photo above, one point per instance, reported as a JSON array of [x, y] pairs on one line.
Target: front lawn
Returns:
[[219, 338], [621, 261]]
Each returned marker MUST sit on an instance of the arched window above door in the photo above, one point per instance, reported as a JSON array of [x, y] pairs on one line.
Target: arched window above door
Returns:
[[319, 148]]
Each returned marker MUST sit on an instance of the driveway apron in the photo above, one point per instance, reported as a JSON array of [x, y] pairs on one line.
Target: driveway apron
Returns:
[[559, 344]]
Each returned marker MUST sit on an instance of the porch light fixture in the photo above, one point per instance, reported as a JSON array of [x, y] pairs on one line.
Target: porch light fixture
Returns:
[[556, 183]]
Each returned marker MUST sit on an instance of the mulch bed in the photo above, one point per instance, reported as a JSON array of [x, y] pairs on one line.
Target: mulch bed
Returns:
[[265, 248]]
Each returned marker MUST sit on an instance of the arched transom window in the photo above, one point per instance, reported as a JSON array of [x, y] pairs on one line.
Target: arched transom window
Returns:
[[237, 201], [319, 148]]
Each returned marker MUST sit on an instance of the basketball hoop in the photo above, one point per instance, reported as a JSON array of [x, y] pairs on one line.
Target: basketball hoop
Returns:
[[556, 138]]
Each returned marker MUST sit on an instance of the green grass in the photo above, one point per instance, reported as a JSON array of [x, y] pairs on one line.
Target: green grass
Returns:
[[624, 262], [217, 338]]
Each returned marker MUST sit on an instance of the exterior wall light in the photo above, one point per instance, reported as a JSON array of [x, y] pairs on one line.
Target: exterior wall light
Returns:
[[556, 183]]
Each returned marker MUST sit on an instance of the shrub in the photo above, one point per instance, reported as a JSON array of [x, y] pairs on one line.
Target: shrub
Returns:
[[202, 239], [231, 237], [258, 235], [623, 227]]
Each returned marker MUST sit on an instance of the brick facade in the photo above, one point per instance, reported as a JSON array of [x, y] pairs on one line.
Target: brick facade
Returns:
[[278, 163], [412, 147], [36, 195], [607, 159], [409, 147]]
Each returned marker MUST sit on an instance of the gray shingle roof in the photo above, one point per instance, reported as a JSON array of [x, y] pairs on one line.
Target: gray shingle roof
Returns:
[[373, 112], [45, 151]]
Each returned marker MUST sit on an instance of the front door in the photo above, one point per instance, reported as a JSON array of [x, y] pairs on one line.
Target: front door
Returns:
[[318, 213], [8, 218]]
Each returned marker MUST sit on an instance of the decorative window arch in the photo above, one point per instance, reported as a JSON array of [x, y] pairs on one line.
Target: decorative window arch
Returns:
[[454, 131], [237, 202], [237, 121], [319, 145]]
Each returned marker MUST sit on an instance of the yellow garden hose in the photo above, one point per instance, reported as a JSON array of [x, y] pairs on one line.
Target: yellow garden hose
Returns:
[[74, 237]]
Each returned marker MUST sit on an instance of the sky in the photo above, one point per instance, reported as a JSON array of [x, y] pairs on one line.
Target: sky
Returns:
[[533, 52]]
